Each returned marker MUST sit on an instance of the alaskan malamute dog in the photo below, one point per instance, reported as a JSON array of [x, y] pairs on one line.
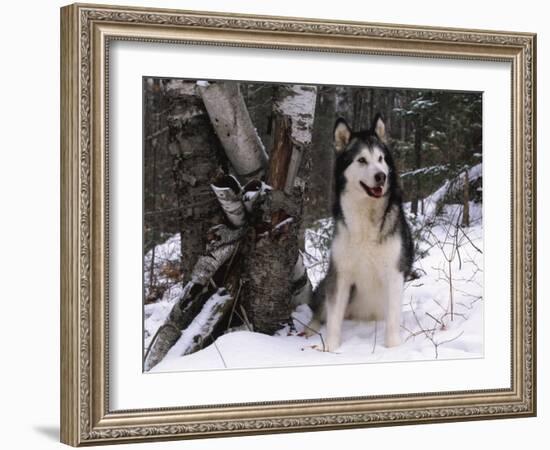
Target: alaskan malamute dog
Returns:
[[372, 249]]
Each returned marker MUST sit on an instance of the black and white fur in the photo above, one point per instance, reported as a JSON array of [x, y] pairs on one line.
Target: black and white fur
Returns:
[[372, 248]]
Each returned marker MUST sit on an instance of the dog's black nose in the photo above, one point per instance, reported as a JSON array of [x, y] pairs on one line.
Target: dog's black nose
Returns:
[[380, 177]]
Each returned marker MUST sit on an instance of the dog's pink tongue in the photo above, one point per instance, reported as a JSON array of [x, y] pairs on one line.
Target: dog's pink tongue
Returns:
[[377, 191]]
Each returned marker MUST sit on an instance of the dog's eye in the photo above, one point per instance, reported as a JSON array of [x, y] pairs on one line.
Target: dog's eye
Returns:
[[362, 160], [380, 159]]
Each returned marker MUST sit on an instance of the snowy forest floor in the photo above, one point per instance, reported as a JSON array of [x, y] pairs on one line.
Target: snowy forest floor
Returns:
[[450, 262]]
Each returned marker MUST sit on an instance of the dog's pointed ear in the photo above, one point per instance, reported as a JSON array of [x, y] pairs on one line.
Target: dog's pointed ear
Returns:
[[342, 135], [379, 128]]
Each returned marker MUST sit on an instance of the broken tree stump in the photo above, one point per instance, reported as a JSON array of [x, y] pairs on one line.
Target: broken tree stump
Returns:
[[273, 243]]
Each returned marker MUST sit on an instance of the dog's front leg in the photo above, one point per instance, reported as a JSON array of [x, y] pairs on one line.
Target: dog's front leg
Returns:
[[392, 336], [336, 304]]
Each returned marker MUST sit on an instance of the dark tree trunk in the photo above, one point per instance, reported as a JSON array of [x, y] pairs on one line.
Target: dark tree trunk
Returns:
[[405, 98], [417, 164], [159, 192], [322, 158], [273, 243], [357, 108], [344, 104], [466, 201], [389, 100], [198, 158], [259, 102], [372, 105]]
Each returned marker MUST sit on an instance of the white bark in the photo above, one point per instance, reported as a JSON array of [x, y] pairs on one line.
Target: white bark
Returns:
[[229, 115], [253, 191], [298, 103], [228, 192]]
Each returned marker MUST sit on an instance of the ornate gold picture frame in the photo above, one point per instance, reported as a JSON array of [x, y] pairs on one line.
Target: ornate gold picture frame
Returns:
[[87, 32]]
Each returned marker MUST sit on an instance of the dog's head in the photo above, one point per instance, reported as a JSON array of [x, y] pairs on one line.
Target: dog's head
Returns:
[[364, 165]]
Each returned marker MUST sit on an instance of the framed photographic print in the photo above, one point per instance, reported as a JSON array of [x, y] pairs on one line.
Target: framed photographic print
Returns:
[[276, 224]]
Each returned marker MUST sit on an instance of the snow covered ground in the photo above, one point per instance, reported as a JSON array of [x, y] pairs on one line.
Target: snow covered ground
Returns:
[[155, 314], [433, 326]]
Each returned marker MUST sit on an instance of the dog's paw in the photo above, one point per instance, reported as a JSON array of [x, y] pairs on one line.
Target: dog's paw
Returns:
[[393, 340], [332, 345], [312, 329]]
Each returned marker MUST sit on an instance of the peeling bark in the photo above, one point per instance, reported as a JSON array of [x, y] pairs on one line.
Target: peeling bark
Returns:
[[297, 102], [228, 192], [252, 192], [229, 116]]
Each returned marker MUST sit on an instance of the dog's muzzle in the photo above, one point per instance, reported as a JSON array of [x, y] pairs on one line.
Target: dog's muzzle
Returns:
[[376, 192]]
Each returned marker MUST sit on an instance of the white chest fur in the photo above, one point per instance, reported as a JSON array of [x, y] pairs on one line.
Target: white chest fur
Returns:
[[364, 260]]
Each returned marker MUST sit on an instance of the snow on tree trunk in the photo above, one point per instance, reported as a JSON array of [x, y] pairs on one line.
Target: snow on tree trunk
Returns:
[[223, 244], [229, 116], [297, 102], [201, 328]]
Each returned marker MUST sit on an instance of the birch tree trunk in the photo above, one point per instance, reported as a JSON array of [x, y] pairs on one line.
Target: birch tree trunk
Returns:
[[298, 102], [257, 251], [229, 116]]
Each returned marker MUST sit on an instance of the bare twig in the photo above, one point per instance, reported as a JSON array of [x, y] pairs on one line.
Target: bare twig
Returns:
[[220, 354], [313, 330], [245, 318], [470, 241], [375, 330], [436, 319], [430, 333], [234, 304]]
